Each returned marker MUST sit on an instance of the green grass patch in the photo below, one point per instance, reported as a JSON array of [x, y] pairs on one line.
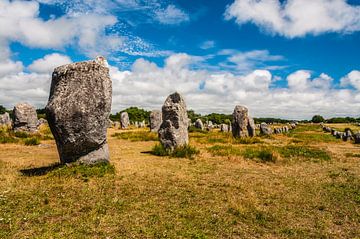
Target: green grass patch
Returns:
[[262, 154], [135, 136], [224, 150], [83, 171], [297, 151], [22, 134], [186, 151], [193, 129], [248, 140], [32, 141]]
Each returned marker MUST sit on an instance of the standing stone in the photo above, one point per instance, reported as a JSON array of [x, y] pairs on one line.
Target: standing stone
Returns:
[[224, 128], [285, 129], [5, 120], [155, 120], [265, 129], [251, 127], [124, 120], [357, 138], [142, 124], [199, 124], [41, 121], [241, 125], [117, 125], [25, 118], [173, 131], [78, 111]]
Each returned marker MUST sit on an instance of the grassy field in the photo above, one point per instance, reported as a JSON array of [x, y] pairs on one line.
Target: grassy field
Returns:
[[304, 184]]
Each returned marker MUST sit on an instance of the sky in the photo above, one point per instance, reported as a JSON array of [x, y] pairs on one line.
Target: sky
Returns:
[[280, 58]]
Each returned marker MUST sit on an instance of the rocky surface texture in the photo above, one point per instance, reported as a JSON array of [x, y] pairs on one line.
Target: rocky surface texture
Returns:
[[25, 118], [173, 131], [155, 120], [199, 124], [242, 124], [265, 129], [5, 120], [78, 111], [124, 120]]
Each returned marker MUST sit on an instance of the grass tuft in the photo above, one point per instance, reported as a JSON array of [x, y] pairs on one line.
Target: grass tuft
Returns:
[[32, 141], [263, 154], [84, 172], [186, 151], [296, 151]]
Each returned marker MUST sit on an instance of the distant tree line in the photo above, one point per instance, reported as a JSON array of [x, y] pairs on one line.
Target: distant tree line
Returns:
[[135, 114]]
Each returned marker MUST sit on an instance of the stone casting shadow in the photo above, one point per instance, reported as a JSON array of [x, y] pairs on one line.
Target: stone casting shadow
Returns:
[[30, 172]]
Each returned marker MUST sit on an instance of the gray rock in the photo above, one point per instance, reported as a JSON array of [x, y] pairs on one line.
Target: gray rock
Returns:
[[5, 119], [292, 125], [339, 135], [41, 121], [285, 129], [199, 124], [142, 124], [124, 120], [173, 131], [357, 138], [117, 124], [240, 124], [155, 120], [224, 128], [251, 127], [25, 118], [265, 129], [78, 111]]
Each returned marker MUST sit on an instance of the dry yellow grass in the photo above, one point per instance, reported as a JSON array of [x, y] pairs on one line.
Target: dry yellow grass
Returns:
[[208, 197]]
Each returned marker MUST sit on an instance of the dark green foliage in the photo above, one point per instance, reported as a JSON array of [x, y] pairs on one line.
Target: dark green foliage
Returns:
[[41, 113], [343, 120], [186, 151], [218, 118], [317, 119], [271, 120], [21, 134], [193, 116], [2, 109], [135, 114], [32, 141], [137, 136]]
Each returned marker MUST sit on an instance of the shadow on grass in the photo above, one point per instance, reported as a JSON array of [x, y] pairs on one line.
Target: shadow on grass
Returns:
[[30, 172]]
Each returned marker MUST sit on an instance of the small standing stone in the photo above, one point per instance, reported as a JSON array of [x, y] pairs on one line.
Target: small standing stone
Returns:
[[357, 138], [224, 128], [173, 131], [155, 120], [25, 118], [199, 124], [240, 122], [5, 119], [265, 129], [251, 127], [124, 120]]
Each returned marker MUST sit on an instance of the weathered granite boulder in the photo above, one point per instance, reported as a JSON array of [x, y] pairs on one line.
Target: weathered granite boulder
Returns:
[[265, 129], [199, 124], [155, 120], [224, 128], [242, 124], [5, 120], [173, 131], [78, 111], [357, 138], [25, 118], [251, 127], [124, 120]]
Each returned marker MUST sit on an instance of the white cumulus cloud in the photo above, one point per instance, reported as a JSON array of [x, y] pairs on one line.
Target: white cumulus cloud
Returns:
[[352, 79], [296, 18], [48, 63]]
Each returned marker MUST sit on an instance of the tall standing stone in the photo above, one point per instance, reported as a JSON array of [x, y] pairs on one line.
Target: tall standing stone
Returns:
[[357, 138], [124, 120], [242, 124], [78, 111], [24, 118], [173, 131], [155, 120], [199, 124]]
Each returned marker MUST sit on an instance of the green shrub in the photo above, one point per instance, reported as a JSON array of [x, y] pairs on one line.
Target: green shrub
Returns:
[[186, 151], [32, 141]]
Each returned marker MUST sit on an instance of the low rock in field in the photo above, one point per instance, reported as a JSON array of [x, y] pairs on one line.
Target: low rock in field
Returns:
[[199, 124], [25, 118], [5, 120], [155, 120], [124, 120], [265, 129]]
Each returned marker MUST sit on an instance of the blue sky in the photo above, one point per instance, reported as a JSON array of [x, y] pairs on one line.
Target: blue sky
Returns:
[[290, 59]]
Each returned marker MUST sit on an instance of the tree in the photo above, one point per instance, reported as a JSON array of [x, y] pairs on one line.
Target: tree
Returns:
[[2, 109], [317, 119], [135, 114]]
